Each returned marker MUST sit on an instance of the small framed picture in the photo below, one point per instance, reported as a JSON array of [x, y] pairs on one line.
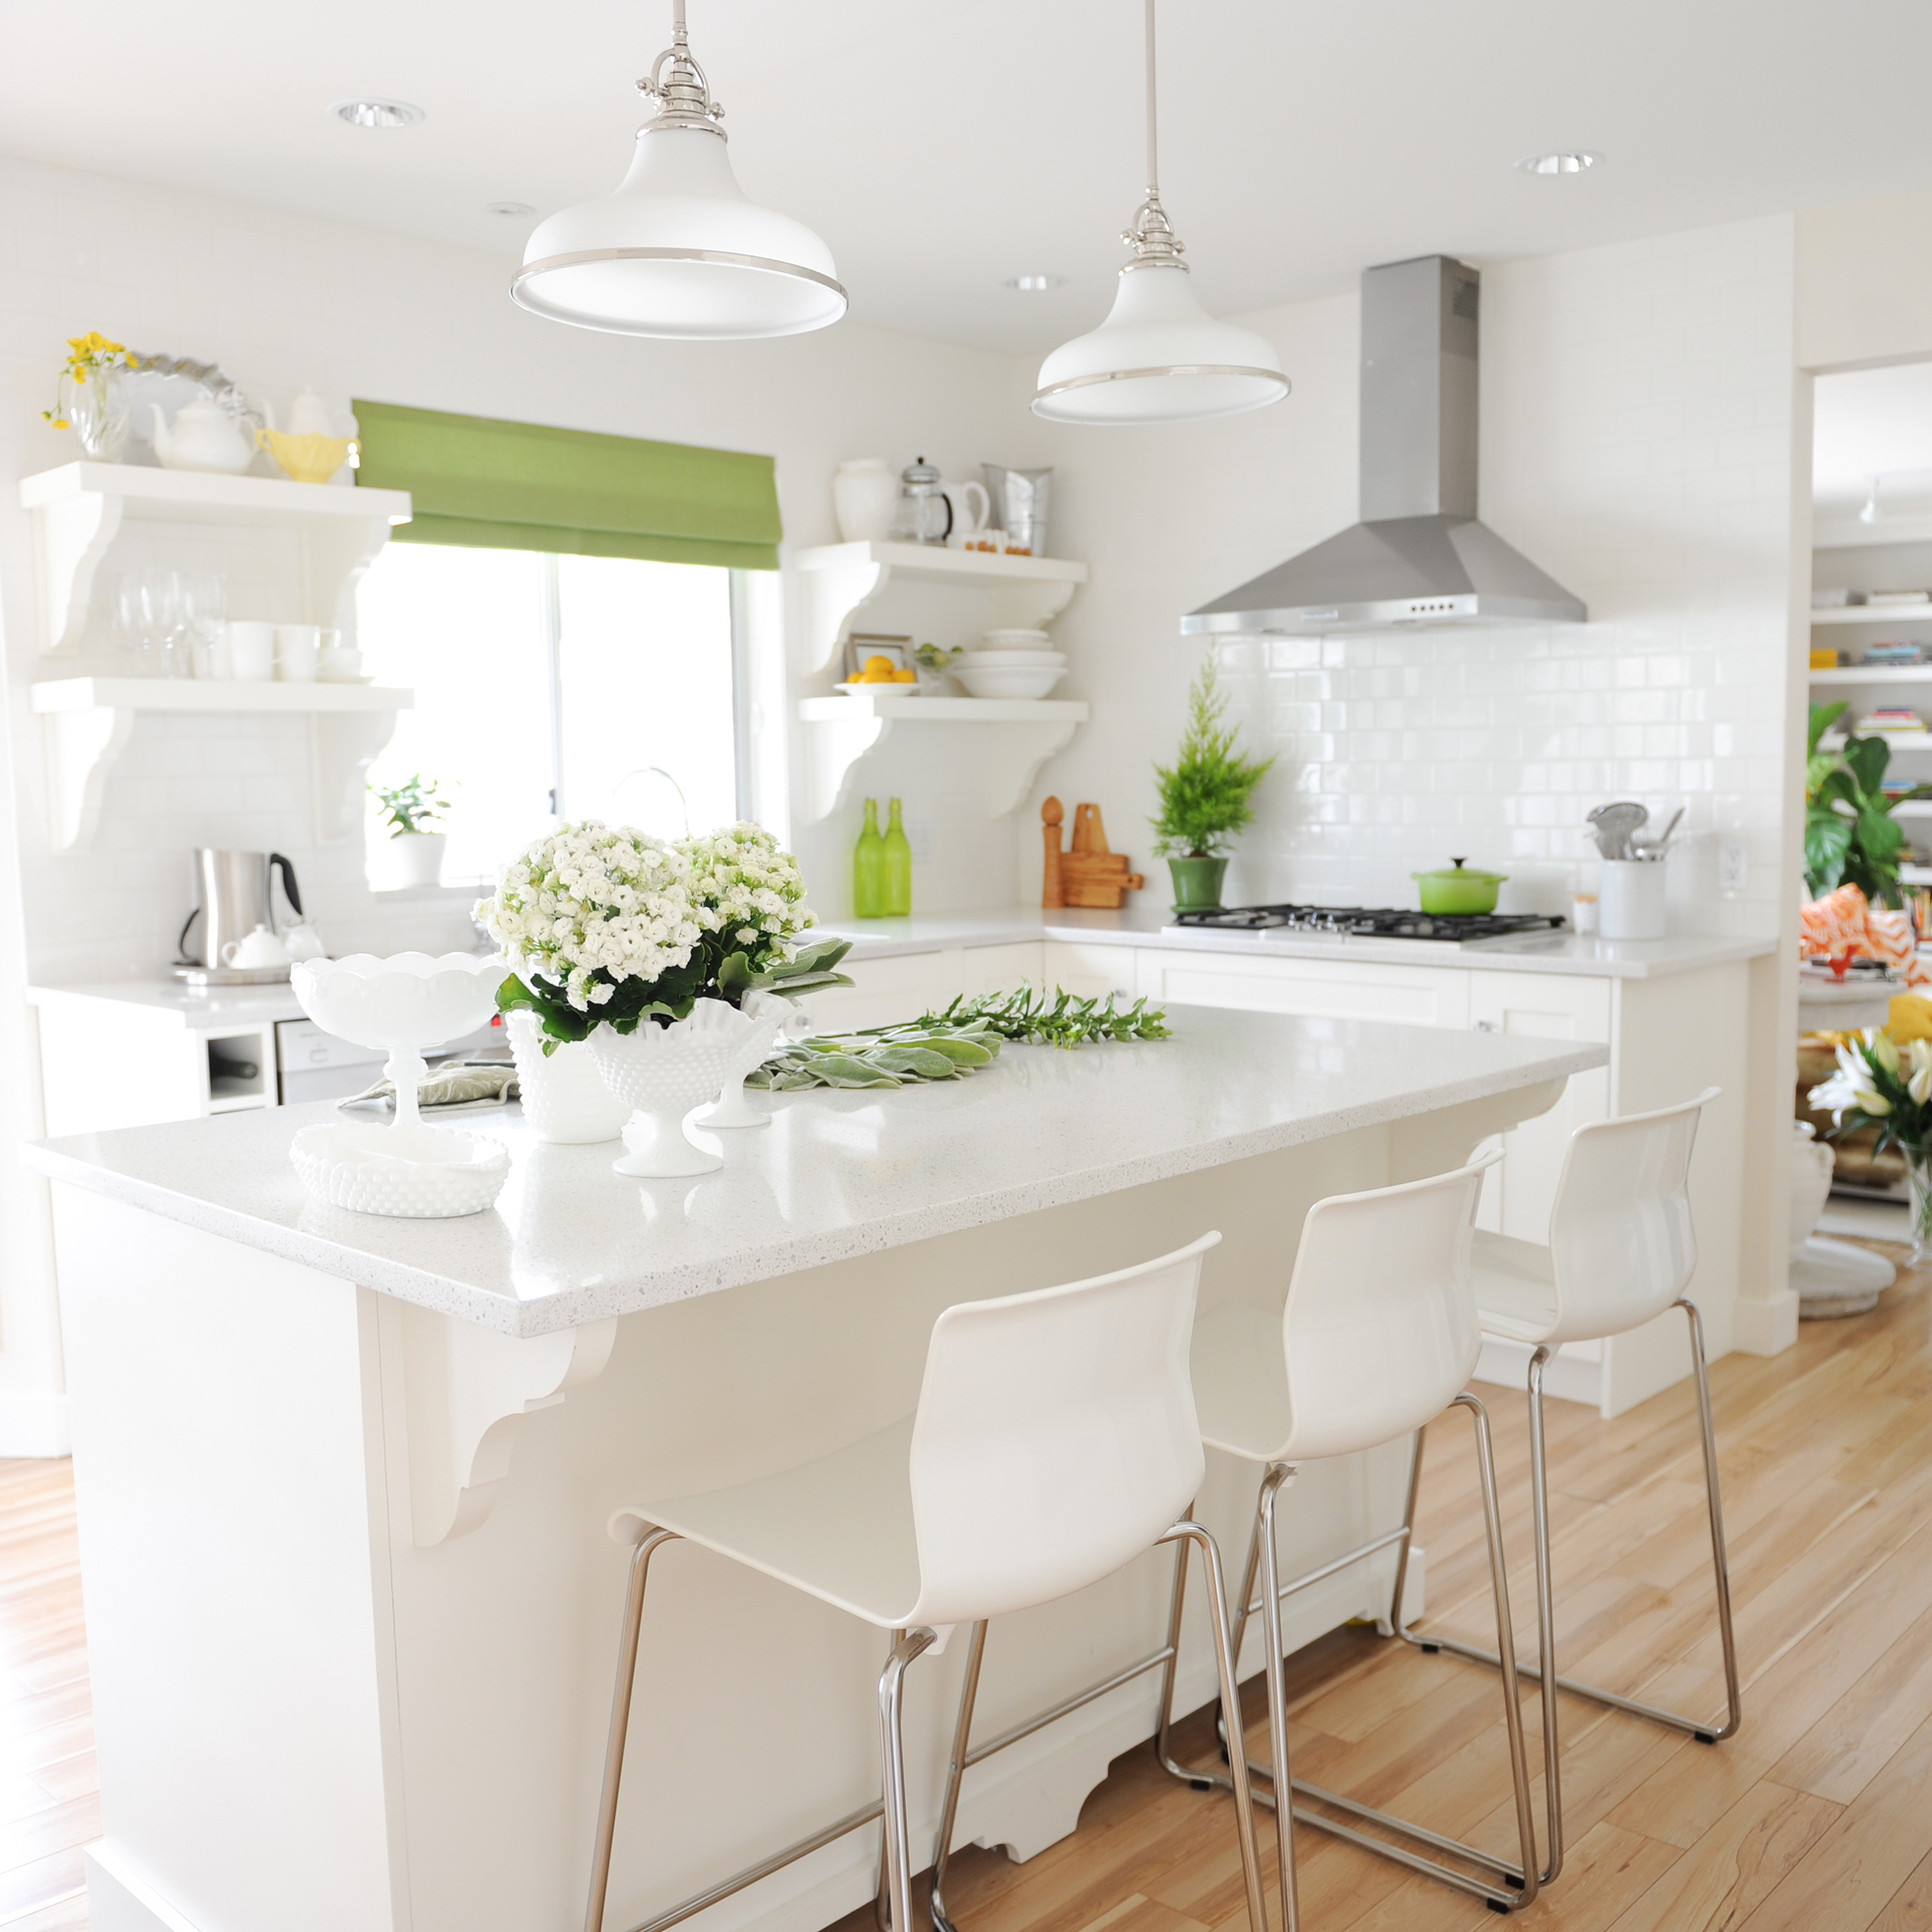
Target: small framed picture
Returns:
[[862, 648]]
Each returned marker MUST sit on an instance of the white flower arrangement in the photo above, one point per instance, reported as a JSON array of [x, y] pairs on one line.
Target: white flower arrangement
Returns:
[[1879, 1084], [747, 891], [598, 924]]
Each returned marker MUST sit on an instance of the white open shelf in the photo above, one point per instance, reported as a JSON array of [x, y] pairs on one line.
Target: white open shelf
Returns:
[[1897, 740], [1874, 674], [79, 510], [1916, 874], [942, 710], [1875, 614], [87, 722]]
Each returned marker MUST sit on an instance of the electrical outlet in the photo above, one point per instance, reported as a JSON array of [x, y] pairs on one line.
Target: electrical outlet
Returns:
[[1733, 866], [919, 837]]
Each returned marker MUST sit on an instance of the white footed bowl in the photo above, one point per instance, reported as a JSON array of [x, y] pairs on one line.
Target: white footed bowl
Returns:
[[668, 1072], [414, 1173], [733, 1106], [1013, 640], [1007, 681], [411, 1000]]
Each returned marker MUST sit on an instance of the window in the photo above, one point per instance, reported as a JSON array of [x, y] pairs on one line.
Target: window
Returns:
[[555, 687]]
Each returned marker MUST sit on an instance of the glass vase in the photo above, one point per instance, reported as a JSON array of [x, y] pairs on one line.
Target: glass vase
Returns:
[[97, 411], [1918, 1180]]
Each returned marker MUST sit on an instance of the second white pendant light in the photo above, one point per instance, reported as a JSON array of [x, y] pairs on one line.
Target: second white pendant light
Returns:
[[679, 251], [1160, 357]]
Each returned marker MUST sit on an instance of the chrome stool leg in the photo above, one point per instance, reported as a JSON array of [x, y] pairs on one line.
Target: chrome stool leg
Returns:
[[1184, 1532], [892, 1757], [1510, 1886]]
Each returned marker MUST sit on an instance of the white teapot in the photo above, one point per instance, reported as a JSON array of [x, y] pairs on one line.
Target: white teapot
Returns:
[[303, 943], [261, 948], [308, 415], [204, 437]]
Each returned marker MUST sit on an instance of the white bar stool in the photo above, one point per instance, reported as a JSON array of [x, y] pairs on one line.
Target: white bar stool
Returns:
[[1377, 1339], [1054, 1439], [1622, 1251]]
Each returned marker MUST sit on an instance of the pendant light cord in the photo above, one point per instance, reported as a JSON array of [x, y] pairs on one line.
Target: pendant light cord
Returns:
[[1153, 143], [1152, 235]]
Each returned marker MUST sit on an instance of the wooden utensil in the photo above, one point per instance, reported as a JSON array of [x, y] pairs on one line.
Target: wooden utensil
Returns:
[[1086, 875]]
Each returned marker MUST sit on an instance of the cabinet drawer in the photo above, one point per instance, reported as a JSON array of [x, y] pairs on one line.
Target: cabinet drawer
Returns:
[[301, 1045], [1407, 996], [1087, 971]]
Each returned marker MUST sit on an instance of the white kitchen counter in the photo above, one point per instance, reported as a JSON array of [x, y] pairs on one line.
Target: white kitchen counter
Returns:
[[350, 1606], [839, 1173], [1150, 926], [174, 1004]]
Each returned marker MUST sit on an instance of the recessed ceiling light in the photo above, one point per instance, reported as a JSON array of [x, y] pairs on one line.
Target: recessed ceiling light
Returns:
[[509, 208], [377, 114], [1575, 162], [1035, 284]]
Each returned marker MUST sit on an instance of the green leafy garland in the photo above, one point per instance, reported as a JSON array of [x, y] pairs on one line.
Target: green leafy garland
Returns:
[[948, 1046]]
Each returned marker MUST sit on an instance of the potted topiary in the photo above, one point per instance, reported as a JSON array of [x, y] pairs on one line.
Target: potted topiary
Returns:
[[1204, 798], [410, 809]]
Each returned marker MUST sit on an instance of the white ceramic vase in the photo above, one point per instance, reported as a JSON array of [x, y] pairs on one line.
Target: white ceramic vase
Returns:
[[564, 1095], [666, 1073], [416, 858], [864, 494]]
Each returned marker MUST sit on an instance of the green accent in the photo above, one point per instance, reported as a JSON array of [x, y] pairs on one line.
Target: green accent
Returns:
[[1455, 889], [1850, 835], [483, 484], [898, 869], [1206, 793], [868, 868], [1197, 883]]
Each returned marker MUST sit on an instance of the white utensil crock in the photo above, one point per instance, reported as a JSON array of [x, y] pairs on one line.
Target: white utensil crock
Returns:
[[1630, 903], [564, 1095], [666, 1073]]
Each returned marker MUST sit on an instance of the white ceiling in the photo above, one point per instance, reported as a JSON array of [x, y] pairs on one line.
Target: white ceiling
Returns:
[[942, 146]]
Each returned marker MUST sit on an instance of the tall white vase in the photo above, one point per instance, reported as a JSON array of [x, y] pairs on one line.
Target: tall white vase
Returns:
[[864, 494], [565, 1098]]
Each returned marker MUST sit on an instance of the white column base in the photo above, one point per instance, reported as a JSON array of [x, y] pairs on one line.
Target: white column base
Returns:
[[34, 1424]]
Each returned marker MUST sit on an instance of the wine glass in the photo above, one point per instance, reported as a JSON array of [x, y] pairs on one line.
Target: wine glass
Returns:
[[164, 623], [204, 603]]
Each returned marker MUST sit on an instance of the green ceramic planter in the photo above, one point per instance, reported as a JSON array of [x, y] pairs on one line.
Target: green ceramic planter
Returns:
[[1197, 883]]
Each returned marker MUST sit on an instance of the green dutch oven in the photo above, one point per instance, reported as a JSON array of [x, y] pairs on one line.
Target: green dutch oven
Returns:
[[1457, 892]]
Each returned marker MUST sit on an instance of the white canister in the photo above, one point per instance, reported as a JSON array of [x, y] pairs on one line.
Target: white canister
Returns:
[[564, 1095], [298, 648], [1631, 901], [864, 494], [251, 649]]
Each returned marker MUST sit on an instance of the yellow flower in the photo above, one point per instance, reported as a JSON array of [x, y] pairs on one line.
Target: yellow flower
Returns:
[[134, 362], [60, 422], [80, 374], [96, 340], [77, 343]]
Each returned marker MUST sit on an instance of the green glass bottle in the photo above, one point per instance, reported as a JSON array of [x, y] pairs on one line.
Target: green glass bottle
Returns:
[[898, 868], [868, 868]]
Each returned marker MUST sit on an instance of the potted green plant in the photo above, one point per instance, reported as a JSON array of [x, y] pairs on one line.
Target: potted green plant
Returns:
[[1206, 798], [410, 809], [1850, 834]]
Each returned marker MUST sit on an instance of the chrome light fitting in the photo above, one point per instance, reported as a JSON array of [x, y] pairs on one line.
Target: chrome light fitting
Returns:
[[678, 251], [1160, 357], [378, 113]]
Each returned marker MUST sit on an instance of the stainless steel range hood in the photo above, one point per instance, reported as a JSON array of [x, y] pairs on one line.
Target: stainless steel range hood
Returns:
[[1419, 556]]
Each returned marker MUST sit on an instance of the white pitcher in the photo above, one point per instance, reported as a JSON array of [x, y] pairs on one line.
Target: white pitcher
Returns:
[[966, 521]]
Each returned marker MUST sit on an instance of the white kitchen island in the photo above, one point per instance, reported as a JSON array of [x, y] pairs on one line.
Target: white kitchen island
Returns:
[[343, 1480]]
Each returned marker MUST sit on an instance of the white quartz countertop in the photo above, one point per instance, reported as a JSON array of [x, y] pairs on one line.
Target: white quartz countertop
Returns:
[[838, 1173], [1144, 926], [175, 1003]]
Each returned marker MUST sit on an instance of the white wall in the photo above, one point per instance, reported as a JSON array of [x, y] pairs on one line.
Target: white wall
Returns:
[[1637, 444], [281, 300]]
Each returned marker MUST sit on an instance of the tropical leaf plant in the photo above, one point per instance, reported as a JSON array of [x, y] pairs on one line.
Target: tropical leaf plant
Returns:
[[1850, 834]]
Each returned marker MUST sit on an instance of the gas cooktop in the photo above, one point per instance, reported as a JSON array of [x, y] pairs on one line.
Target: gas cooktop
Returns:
[[1357, 922]]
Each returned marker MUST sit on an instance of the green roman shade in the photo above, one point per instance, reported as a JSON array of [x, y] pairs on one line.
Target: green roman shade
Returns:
[[522, 485]]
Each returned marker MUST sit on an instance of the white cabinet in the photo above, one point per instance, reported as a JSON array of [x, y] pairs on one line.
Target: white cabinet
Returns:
[[1407, 995], [901, 988], [1089, 972]]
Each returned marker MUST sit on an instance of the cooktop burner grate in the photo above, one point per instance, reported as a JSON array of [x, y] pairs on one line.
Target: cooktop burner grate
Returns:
[[1354, 921]]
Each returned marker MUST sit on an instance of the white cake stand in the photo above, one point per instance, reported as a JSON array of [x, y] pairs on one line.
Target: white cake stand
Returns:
[[404, 1002]]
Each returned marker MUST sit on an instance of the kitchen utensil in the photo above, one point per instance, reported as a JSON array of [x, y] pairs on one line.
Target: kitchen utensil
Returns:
[[1459, 890], [1631, 900], [1653, 850], [1616, 825], [232, 893], [967, 520], [298, 649], [260, 950], [251, 649], [924, 511], [202, 437], [865, 496], [1019, 505], [1087, 874], [1013, 640], [1007, 680]]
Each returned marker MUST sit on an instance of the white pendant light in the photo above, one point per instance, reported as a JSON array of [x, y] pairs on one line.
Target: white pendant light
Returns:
[[1160, 357], [678, 251]]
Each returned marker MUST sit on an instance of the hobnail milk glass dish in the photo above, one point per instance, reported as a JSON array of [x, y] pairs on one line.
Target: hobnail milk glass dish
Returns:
[[565, 1098], [668, 1072], [733, 1106], [404, 1002]]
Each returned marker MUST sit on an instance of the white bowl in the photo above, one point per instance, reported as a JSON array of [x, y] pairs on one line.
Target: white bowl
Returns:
[[421, 1173], [1008, 680], [988, 660], [410, 1000], [1012, 640]]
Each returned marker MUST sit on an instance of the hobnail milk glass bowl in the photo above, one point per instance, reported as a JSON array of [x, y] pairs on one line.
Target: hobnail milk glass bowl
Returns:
[[666, 1072], [733, 1106], [404, 1002]]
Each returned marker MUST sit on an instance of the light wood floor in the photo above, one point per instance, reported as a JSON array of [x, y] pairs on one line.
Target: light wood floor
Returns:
[[1817, 1817]]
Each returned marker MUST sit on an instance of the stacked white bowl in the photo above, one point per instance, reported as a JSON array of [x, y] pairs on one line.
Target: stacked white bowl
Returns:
[[1012, 664]]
